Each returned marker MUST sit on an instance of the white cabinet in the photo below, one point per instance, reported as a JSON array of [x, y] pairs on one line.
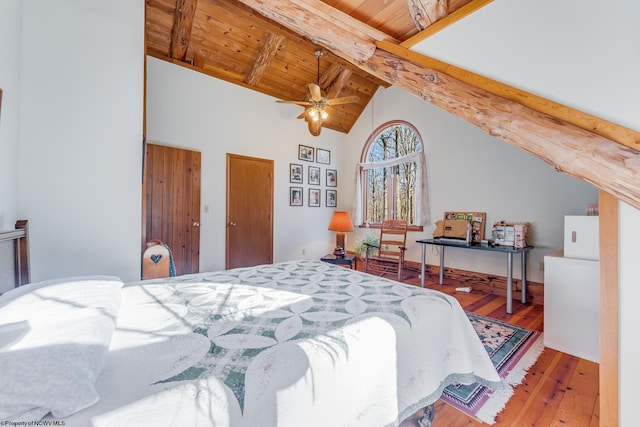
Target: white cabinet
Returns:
[[572, 305], [572, 291]]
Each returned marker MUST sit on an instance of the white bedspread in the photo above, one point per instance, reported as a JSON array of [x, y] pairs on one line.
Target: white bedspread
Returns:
[[299, 343]]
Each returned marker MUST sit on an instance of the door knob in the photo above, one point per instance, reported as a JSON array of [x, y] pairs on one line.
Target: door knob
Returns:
[[232, 224], [196, 224]]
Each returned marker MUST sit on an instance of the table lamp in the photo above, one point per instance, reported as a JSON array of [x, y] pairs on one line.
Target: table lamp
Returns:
[[341, 223]]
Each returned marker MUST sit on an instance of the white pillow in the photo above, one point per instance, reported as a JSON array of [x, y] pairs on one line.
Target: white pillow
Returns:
[[54, 336]]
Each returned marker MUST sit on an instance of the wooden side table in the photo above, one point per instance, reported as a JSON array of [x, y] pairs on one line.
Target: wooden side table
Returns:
[[349, 260]]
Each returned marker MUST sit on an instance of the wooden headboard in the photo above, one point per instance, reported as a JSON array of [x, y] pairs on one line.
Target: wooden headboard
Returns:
[[20, 237]]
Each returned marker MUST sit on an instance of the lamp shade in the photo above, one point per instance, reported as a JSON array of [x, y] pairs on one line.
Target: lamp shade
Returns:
[[341, 221]]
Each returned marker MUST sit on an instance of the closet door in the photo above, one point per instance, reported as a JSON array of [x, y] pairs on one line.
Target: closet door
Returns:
[[172, 203], [249, 238]]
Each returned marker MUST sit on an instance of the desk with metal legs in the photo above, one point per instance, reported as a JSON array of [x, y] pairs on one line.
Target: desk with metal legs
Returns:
[[482, 247]]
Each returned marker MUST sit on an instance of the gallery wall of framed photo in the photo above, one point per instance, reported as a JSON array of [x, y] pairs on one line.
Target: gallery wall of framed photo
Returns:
[[309, 175]]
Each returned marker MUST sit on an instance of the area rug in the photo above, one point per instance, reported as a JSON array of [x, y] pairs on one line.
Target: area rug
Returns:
[[513, 350]]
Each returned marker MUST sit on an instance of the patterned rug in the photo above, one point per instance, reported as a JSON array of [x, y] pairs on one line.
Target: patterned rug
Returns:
[[513, 350]]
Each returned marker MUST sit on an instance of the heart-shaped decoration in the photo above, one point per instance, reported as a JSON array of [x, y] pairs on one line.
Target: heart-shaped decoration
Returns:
[[156, 258]]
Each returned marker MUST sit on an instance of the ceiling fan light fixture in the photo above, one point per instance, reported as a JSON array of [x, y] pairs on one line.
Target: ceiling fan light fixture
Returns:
[[318, 112], [316, 106]]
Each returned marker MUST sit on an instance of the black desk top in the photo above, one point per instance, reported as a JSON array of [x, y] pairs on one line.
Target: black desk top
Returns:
[[474, 245]]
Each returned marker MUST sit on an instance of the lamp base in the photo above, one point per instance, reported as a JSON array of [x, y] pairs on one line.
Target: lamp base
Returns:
[[338, 252]]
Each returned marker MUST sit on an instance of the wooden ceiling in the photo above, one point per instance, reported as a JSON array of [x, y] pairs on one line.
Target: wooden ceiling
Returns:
[[228, 40]]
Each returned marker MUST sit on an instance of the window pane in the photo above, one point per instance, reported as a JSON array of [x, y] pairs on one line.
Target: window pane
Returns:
[[384, 147], [391, 192], [406, 192], [377, 191]]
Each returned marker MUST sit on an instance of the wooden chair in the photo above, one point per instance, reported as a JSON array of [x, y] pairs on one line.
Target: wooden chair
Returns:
[[388, 255], [157, 261]]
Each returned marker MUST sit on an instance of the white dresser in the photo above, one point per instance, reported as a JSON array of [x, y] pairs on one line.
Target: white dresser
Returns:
[[572, 291]]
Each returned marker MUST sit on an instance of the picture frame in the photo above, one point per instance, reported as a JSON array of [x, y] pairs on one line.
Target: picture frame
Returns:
[[323, 156], [314, 197], [295, 196], [331, 199], [332, 178], [314, 175], [305, 153], [295, 173]]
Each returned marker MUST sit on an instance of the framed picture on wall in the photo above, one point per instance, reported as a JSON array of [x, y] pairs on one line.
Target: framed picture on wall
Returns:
[[305, 153], [323, 156], [314, 197], [314, 175], [295, 173], [295, 196], [332, 178], [332, 196]]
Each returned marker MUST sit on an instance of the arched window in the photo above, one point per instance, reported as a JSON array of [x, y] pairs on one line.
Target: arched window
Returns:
[[392, 176]]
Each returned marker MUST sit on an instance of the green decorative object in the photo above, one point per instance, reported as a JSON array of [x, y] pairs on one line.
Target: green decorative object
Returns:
[[367, 238]]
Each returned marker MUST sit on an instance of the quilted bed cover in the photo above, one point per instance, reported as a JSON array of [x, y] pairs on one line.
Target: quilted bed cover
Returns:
[[288, 344]]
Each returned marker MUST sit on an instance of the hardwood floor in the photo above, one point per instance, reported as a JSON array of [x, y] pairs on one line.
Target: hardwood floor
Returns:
[[559, 389]]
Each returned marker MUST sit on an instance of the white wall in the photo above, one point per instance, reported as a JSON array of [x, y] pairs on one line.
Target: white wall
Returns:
[[80, 159], [470, 170], [10, 12], [194, 111], [583, 54]]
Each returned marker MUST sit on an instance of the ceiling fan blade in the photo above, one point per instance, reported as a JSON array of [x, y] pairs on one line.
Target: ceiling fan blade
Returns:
[[314, 90], [334, 111], [343, 100], [303, 103], [315, 126]]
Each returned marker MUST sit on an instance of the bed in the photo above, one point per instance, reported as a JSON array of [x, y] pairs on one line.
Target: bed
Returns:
[[286, 344]]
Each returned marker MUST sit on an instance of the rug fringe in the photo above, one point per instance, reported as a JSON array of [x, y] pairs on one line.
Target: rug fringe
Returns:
[[499, 398]]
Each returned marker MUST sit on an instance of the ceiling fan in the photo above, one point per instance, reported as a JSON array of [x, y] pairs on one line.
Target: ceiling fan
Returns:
[[316, 108]]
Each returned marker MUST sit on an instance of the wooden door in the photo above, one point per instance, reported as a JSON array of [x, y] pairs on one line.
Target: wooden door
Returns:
[[172, 203], [249, 211]]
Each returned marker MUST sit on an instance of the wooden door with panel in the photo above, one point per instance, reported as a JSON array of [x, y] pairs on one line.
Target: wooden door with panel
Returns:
[[249, 236], [172, 203]]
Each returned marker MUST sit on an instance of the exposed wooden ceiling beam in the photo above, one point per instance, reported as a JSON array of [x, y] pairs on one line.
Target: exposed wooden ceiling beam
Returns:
[[182, 23], [604, 163], [569, 149], [336, 86], [323, 25], [264, 58], [441, 24], [427, 12], [583, 120], [330, 75]]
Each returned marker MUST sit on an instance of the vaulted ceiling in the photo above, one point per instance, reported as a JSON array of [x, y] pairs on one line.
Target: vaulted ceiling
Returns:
[[268, 46], [229, 40]]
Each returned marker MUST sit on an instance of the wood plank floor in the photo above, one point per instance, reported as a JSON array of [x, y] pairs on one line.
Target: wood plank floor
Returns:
[[559, 389]]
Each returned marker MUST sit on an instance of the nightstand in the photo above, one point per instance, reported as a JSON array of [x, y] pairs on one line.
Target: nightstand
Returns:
[[349, 260]]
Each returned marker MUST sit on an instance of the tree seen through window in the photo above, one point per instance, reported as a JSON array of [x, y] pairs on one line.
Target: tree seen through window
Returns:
[[390, 188]]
